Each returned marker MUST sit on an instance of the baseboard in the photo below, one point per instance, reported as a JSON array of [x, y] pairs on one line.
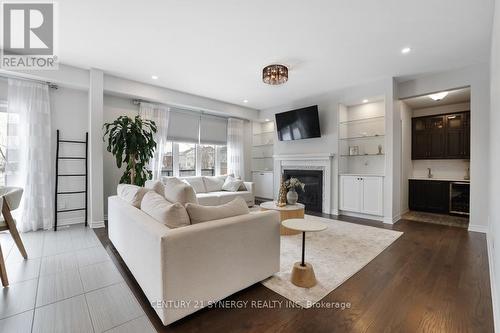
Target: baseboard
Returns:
[[478, 228], [392, 220], [70, 220], [360, 215], [334, 212], [97, 224], [494, 297]]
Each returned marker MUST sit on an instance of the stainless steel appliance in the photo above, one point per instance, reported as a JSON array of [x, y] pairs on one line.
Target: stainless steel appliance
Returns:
[[459, 198]]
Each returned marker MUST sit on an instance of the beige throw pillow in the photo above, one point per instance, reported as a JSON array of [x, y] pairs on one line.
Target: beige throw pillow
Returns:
[[156, 186], [173, 215], [199, 213], [131, 193], [178, 191], [232, 184], [214, 183], [197, 184]]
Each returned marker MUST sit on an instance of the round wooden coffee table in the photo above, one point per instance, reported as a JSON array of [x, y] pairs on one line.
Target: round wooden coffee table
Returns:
[[303, 272], [286, 212]]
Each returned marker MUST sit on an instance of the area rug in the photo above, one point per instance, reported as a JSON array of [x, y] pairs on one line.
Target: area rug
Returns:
[[336, 254]]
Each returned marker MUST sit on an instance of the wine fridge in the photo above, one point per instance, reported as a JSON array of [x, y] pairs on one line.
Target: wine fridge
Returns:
[[459, 198]]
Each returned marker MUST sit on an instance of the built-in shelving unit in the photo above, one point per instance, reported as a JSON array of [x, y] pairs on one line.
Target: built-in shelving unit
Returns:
[[262, 159], [362, 138]]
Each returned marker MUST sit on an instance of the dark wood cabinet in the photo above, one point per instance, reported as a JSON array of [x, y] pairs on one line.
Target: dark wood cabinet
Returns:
[[444, 136], [429, 195]]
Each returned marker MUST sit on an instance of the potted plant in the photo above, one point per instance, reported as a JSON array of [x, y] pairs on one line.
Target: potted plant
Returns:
[[291, 184], [131, 142]]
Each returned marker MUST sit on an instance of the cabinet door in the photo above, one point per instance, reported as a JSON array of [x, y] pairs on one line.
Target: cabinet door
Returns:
[[467, 135], [420, 139], [455, 131], [259, 185], [437, 196], [267, 185], [350, 193], [417, 195], [372, 196], [436, 134]]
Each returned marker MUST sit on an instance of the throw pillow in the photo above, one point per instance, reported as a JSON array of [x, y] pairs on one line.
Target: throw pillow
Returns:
[[131, 193], [199, 213], [232, 184], [214, 183], [156, 186], [197, 184], [173, 215], [178, 191]]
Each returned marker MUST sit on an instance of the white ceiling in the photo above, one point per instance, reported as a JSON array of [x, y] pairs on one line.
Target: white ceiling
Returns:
[[217, 48], [453, 97]]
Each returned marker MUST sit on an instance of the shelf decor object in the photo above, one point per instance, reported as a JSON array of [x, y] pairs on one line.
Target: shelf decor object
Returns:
[[282, 193], [275, 74]]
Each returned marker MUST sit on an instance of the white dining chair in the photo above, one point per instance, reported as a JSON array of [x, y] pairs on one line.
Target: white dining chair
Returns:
[[10, 200]]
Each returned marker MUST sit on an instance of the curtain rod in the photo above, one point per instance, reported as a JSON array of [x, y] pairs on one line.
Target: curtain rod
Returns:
[[9, 76], [139, 101]]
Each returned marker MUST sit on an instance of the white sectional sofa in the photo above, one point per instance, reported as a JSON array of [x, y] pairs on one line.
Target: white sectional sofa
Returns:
[[183, 269], [209, 191]]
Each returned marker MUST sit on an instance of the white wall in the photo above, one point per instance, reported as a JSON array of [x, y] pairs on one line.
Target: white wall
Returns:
[[113, 108], [477, 77], [406, 162], [494, 177]]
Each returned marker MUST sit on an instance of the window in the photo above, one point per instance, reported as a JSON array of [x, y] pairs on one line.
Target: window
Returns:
[[168, 161], [207, 159], [222, 159], [187, 159]]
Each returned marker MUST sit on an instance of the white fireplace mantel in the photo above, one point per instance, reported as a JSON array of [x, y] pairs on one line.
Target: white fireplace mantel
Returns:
[[316, 161]]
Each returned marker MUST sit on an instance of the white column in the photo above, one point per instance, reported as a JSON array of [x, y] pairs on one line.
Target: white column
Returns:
[[96, 203]]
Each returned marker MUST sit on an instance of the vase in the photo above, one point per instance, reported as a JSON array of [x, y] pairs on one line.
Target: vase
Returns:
[[292, 196]]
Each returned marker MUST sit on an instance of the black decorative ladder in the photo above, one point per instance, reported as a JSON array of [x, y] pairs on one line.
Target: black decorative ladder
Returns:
[[57, 193]]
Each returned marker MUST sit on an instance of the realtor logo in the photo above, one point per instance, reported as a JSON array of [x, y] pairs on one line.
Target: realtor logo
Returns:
[[28, 36]]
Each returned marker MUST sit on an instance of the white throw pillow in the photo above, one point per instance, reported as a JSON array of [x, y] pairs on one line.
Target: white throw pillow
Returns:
[[173, 215], [232, 184], [178, 191], [214, 183], [197, 184], [199, 213], [156, 186], [131, 193]]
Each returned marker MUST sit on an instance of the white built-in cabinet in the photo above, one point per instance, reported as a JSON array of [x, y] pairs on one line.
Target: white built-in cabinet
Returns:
[[362, 194], [263, 184]]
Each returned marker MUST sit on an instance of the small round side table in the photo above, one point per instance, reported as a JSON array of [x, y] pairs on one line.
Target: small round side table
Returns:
[[303, 272], [286, 212]]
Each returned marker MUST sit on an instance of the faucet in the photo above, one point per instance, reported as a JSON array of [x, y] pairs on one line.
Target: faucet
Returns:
[[429, 174]]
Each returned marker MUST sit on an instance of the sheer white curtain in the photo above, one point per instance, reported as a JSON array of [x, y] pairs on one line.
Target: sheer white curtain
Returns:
[[235, 147], [29, 158], [160, 115]]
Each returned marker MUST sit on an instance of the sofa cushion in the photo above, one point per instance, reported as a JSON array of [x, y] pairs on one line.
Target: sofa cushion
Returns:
[[232, 184], [173, 215], [199, 213], [131, 193], [156, 186], [208, 199], [225, 196], [214, 183], [197, 183], [178, 191]]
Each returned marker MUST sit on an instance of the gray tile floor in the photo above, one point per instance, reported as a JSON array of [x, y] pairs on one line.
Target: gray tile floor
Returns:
[[68, 284]]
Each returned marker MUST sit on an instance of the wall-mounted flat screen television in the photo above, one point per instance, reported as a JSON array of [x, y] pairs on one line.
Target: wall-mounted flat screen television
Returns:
[[298, 124]]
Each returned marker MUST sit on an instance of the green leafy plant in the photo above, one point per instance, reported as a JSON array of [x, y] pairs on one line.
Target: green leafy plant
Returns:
[[131, 142]]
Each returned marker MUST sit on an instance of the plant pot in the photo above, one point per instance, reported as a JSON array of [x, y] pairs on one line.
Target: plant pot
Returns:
[[292, 196]]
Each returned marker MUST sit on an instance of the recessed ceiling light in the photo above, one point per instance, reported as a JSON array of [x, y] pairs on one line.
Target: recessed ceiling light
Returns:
[[245, 101], [154, 77], [439, 96], [406, 50], [267, 119], [365, 101]]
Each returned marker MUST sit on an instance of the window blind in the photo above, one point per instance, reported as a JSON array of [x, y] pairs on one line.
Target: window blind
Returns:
[[183, 126], [213, 130]]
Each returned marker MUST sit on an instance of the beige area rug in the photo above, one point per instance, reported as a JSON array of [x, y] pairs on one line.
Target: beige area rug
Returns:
[[336, 254]]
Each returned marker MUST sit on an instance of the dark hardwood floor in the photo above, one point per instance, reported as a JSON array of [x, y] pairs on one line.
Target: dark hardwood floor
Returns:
[[432, 279]]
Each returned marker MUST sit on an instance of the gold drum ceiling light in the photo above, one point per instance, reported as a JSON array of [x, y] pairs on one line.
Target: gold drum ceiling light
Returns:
[[275, 74]]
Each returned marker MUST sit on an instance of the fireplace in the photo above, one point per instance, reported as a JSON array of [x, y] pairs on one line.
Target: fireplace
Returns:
[[312, 196]]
